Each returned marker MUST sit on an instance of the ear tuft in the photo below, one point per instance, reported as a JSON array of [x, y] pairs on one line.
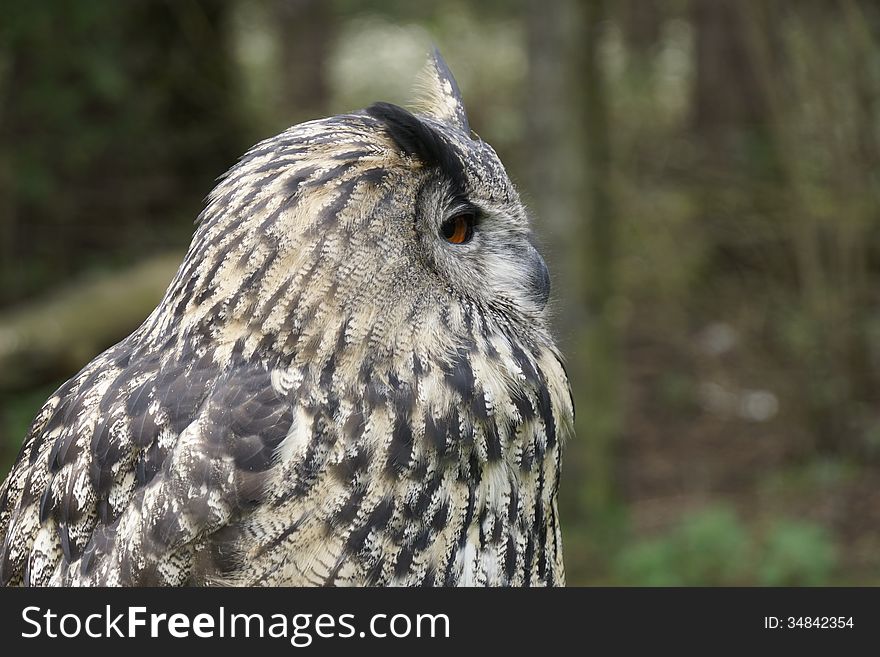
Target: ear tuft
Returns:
[[439, 96]]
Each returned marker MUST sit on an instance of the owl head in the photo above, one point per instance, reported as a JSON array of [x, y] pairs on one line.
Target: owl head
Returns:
[[395, 231]]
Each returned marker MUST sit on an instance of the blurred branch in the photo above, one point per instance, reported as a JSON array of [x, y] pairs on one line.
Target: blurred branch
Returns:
[[63, 331]]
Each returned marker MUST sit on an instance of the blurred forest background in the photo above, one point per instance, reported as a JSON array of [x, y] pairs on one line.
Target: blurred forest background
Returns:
[[706, 180]]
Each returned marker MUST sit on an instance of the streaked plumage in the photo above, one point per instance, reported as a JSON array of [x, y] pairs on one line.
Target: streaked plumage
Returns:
[[328, 393]]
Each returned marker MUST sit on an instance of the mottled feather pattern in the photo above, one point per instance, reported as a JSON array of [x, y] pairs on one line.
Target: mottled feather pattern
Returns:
[[328, 393]]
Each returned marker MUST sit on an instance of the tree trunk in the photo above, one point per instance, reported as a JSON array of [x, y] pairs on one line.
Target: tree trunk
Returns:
[[305, 35], [568, 183], [599, 419]]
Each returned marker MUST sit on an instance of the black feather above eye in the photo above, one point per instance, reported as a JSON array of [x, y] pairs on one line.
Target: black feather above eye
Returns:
[[417, 139]]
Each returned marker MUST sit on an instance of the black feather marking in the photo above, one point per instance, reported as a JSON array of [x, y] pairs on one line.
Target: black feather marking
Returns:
[[420, 505], [349, 509], [308, 471], [47, 503], [336, 172], [469, 513], [68, 547], [27, 492], [250, 419], [441, 517], [272, 165], [481, 524], [525, 364], [430, 576], [101, 439], [436, 431], [466, 434], [375, 394], [403, 397], [69, 511], [139, 399], [420, 468], [450, 574], [479, 408], [493, 441], [35, 445], [529, 557], [149, 464], [252, 280], [510, 558], [326, 377], [513, 504], [417, 139], [552, 532], [281, 538], [126, 571], [377, 519], [7, 566], [85, 563], [166, 529], [546, 410], [140, 472], [371, 577], [58, 417], [497, 530], [183, 392], [225, 555], [527, 461], [252, 454], [404, 561], [522, 404], [346, 470], [143, 430], [354, 426], [54, 464], [249, 489], [400, 450], [104, 511], [454, 427], [460, 376], [61, 453], [106, 452], [539, 529], [374, 177]]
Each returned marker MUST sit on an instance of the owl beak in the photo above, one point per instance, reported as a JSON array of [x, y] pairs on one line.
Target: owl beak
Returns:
[[539, 277]]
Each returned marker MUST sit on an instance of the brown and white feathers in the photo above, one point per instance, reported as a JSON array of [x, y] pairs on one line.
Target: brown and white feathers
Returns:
[[349, 381]]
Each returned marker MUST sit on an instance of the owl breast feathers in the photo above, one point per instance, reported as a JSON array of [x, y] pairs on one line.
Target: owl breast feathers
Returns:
[[350, 381]]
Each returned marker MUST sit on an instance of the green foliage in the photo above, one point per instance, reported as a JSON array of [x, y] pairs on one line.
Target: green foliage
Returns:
[[707, 548], [716, 548], [796, 554]]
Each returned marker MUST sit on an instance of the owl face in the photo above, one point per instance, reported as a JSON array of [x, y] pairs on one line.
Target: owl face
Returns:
[[474, 230]]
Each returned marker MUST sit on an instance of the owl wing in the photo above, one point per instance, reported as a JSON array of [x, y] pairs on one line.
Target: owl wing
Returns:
[[128, 496]]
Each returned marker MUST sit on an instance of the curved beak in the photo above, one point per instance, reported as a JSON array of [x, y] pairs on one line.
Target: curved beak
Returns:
[[539, 277]]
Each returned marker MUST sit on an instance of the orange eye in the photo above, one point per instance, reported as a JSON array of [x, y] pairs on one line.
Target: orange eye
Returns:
[[458, 229]]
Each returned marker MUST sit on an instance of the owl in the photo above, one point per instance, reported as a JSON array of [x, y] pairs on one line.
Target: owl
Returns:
[[349, 381]]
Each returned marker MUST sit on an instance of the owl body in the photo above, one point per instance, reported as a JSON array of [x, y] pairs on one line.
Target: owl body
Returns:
[[350, 381]]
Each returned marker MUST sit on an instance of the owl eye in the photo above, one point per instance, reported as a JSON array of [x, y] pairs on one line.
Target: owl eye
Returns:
[[458, 229]]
